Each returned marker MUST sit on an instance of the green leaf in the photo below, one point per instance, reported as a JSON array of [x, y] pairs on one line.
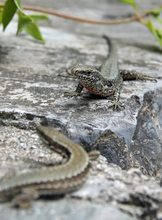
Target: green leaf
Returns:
[[1, 12], [155, 31], [26, 23], [37, 17], [159, 36], [33, 30], [18, 5], [23, 20], [8, 12], [150, 25], [159, 19], [156, 12], [130, 2]]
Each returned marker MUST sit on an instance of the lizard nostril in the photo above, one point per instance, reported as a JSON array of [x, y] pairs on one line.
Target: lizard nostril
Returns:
[[109, 83]]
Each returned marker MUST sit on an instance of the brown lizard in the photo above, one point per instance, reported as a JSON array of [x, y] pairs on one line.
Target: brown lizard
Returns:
[[108, 80], [55, 180]]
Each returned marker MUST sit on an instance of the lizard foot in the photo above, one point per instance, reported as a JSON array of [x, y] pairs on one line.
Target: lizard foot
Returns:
[[21, 201], [150, 78], [116, 105], [24, 199], [71, 94], [94, 154]]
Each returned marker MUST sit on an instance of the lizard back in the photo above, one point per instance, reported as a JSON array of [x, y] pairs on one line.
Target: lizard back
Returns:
[[109, 68]]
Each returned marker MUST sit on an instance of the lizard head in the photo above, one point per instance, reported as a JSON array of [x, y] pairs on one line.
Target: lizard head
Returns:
[[92, 80], [80, 70]]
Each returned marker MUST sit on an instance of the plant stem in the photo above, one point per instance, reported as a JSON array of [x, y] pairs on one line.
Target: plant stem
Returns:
[[54, 12]]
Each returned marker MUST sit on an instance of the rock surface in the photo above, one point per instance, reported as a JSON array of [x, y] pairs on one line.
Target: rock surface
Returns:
[[147, 140], [33, 81]]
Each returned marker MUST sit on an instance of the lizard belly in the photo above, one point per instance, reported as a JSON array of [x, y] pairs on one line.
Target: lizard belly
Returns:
[[98, 92]]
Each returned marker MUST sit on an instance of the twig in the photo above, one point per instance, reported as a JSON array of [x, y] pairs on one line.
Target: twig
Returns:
[[84, 20]]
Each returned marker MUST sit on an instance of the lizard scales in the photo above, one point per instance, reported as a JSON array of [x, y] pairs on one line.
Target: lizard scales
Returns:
[[53, 180], [107, 80]]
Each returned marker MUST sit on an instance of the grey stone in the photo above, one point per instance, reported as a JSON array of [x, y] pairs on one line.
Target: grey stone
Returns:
[[146, 144], [114, 149], [33, 80], [66, 209]]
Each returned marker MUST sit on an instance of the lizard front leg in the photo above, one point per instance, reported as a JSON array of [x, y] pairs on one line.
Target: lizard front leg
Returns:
[[116, 104], [77, 92]]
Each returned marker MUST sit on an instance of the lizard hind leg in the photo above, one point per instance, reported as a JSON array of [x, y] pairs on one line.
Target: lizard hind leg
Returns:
[[23, 200], [134, 75]]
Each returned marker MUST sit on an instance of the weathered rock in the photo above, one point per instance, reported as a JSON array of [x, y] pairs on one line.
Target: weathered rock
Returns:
[[33, 92], [33, 80], [146, 145], [114, 149], [107, 185], [66, 209]]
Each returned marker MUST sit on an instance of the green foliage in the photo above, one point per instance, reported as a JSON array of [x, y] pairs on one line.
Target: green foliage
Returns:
[[1, 13], [156, 12], [9, 11], [33, 29], [157, 32], [18, 4], [27, 23], [37, 17], [154, 25], [130, 2], [23, 20]]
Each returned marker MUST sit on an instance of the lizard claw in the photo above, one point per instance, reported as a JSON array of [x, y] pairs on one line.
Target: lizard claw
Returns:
[[71, 94], [116, 105], [23, 200]]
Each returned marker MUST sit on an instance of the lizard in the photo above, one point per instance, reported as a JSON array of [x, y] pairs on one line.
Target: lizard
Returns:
[[55, 180], [108, 79]]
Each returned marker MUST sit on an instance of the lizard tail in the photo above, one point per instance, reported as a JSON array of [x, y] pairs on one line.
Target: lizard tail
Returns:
[[109, 42], [112, 45]]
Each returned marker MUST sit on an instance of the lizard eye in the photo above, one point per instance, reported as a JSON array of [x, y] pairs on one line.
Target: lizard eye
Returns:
[[88, 72], [76, 71], [109, 83]]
